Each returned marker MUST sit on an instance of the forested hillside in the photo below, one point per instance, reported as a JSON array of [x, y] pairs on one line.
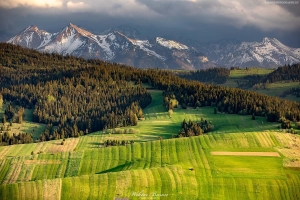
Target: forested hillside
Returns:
[[76, 96], [287, 73], [211, 75], [284, 73]]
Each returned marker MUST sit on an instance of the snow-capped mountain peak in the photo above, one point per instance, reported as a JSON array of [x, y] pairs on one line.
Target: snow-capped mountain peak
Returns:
[[270, 52], [31, 37], [266, 40], [125, 45], [80, 30], [32, 28]]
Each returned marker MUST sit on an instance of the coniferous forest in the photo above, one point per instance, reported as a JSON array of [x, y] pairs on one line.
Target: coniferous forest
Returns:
[[210, 75], [74, 96]]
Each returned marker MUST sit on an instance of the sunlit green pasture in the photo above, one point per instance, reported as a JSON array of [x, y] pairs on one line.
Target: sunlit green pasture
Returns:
[[154, 167]]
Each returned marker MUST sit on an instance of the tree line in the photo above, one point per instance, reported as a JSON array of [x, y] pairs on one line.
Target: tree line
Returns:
[[211, 75], [293, 91]]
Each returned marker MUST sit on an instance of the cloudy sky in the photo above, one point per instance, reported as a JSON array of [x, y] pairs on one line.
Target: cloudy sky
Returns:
[[204, 20]]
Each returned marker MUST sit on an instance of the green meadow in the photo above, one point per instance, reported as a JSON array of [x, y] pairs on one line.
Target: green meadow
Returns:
[[150, 168], [239, 73], [26, 127]]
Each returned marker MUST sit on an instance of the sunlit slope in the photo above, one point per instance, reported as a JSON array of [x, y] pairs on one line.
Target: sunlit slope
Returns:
[[181, 168]]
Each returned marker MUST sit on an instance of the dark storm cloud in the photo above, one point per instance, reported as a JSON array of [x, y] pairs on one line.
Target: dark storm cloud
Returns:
[[203, 20], [256, 13]]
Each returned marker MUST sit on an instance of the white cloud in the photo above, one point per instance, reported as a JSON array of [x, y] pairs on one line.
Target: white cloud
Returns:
[[31, 3], [75, 6]]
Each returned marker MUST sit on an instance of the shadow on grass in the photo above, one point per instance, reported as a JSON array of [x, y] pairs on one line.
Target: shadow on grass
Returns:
[[135, 164], [95, 143], [118, 168]]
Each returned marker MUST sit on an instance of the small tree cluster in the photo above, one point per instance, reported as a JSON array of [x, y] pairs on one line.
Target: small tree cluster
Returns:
[[20, 138], [195, 128], [170, 101], [122, 131], [286, 124], [117, 142]]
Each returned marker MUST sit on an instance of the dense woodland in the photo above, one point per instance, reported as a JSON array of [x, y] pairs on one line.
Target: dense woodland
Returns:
[[74, 96], [73, 100], [284, 73], [211, 75]]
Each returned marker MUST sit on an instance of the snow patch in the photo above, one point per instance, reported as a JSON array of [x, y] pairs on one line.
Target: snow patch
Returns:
[[46, 39], [170, 44], [104, 41], [143, 44]]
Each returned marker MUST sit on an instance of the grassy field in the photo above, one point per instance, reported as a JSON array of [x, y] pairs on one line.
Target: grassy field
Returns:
[[272, 89], [239, 73], [181, 168], [163, 167], [26, 127], [157, 124], [275, 89]]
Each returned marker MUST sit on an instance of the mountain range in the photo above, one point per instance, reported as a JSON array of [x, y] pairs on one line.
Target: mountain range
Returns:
[[270, 52], [126, 45]]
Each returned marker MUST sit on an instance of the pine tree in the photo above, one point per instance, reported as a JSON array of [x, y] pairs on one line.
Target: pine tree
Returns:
[[253, 116], [4, 119], [20, 119]]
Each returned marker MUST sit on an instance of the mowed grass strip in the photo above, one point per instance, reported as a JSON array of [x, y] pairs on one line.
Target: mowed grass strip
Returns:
[[226, 153], [14, 170], [26, 173], [53, 146], [25, 190], [52, 189], [49, 166], [247, 166], [4, 168]]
